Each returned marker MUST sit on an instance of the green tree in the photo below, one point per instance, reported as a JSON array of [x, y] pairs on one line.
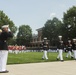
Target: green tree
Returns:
[[52, 29], [69, 24], [4, 20], [24, 35]]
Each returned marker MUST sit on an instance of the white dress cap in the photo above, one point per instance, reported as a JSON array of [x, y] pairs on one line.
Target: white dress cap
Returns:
[[5, 26], [45, 38]]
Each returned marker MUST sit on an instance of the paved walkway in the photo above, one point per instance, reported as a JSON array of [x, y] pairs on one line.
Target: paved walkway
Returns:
[[48, 68]]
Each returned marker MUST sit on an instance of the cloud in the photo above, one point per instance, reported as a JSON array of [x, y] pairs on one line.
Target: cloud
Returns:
[[52, 15]]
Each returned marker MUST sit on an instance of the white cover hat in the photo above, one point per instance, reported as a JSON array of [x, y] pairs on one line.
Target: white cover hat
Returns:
[[45, 38], [74, 39], [5, 26]]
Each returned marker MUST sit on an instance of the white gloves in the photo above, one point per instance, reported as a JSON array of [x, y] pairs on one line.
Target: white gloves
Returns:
[[9, 30]]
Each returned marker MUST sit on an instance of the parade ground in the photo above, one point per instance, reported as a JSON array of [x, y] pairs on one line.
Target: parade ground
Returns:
[[46, 68]]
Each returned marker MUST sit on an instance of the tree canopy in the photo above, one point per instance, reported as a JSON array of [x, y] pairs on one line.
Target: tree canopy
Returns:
[[69, 23], [67, 28], [24, 35]]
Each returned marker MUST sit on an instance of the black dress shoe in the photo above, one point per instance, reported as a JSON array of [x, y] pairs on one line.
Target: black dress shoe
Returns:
[[46, 59], [57, 59], [42, 58], [4, 71], [62, 60], [71, 57]]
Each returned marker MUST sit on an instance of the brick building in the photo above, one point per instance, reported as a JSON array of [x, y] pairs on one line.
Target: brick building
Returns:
[[37, 38]]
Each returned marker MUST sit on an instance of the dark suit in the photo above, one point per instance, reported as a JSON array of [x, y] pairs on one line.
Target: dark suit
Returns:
[[60, 46], [45, 45]]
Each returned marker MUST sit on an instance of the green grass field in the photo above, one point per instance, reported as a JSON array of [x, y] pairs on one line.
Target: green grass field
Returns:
[[33, 57]]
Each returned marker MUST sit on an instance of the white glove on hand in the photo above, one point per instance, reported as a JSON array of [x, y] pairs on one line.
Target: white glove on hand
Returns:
[[9, 30]]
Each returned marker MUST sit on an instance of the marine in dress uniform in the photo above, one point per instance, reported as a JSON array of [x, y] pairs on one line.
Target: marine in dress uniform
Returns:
[[4, 35], [69, 49], [74, 48], [45, 48], [60, 49]]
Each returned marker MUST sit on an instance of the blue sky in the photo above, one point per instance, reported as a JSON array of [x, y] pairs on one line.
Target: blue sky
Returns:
[[34, 12]]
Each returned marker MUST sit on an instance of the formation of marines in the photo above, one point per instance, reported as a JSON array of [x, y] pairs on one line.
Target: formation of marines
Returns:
[[70, 47]]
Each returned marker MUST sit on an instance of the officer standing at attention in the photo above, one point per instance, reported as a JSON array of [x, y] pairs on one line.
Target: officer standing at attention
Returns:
[[4, 35], [45, 48], [60, 48]]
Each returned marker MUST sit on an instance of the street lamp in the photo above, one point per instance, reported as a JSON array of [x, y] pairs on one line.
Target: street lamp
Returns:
[[74, 20], [60, 37], [69, 26]]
